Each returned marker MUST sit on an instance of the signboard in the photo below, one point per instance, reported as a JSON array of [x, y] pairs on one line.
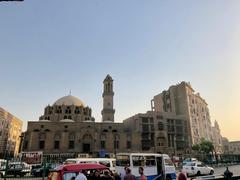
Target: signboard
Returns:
[[33, 157]]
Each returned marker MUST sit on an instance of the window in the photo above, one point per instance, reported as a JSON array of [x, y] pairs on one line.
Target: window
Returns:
[[146, 144], [129, 145], [151, 120], [123, 160], [152, 127], [102, 144], [145, 128], [25, 146], [150, 161], [168, 162], [160, 126], [71, 144], [56, 144], [138, 160], [116, 144], [144, 120], [41, 144], [105, 163]]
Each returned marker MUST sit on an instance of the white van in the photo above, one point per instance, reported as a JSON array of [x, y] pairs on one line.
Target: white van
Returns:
[[155, 165], [109, 162]]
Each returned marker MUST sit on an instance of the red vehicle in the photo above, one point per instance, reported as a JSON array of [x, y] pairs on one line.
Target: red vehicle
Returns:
[[66, 172]]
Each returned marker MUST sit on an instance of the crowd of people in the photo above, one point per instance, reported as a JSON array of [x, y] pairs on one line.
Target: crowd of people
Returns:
[[109, 175]]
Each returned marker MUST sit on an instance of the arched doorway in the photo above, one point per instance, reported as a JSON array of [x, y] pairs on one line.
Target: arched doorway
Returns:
[[87, 143]]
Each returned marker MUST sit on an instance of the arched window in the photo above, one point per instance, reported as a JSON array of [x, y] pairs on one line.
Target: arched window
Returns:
[[116, 141], [160, 126], [71, 142]]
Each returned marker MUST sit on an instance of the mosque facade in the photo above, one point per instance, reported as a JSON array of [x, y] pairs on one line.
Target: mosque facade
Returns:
[[67, 129]]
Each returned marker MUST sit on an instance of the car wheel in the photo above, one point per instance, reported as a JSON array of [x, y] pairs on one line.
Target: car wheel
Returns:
[[211, 172], [198, 173]]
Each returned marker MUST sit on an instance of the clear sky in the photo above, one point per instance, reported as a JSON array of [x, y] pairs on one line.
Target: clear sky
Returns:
[[49, 47]]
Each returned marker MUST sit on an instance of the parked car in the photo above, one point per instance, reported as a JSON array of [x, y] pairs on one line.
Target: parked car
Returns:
[[71, 170], [16, 169], [197, 168], [38, 170]]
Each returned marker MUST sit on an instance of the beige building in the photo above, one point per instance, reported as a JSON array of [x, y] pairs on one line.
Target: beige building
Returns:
[[234, 147], [159, 132], [10, 132], [217, 138], [181, 99], [225, 145]]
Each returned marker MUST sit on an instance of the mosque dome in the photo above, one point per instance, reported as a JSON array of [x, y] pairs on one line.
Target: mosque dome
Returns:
[[68, 101]]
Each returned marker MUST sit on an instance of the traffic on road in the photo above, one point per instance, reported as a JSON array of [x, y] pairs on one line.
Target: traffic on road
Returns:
[[155, 166]]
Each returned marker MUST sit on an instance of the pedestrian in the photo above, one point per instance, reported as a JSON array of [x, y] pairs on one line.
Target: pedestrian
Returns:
[[106, 175], [81, 176], [181, 176], [129, 176], [96, 175], [141, 172], [123, 174]]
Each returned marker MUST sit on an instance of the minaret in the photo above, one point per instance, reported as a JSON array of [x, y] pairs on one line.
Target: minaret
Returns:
[[108, 111]]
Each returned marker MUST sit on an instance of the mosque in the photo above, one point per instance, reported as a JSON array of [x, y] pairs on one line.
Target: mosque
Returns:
[[67, 129]]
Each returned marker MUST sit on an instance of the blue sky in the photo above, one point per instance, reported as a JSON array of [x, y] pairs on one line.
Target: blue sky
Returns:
[[50, 47]]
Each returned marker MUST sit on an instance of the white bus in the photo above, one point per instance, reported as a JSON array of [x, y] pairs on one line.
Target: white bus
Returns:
[[109, 162], [156, 166]]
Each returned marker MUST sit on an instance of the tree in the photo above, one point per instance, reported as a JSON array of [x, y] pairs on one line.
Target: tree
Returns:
[[206, 146], [203, 146]]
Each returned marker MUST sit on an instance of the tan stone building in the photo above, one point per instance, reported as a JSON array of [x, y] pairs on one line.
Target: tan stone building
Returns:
[[10, 132], [159, 132], [181, 99], [67, 129], [217, 138], [234, 147]]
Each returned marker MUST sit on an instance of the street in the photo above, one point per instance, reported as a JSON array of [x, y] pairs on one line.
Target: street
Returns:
[[235, 169]]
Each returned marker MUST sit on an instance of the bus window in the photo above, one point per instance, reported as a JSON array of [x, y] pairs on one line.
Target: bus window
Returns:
[[168, 162], [138, 160], [150, 161], [70, 162], [123, 160], [105, 163], [114, 163]]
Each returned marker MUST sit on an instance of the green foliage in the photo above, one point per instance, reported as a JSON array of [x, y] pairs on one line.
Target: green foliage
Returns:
[[204, 146], [196, 147]]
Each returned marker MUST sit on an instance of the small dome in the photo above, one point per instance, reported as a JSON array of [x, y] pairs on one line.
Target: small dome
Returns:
[[69, 100]]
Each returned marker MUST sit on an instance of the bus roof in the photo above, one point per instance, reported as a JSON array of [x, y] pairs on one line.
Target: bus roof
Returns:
[[78, 167], [144, 154], [90, 159]]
